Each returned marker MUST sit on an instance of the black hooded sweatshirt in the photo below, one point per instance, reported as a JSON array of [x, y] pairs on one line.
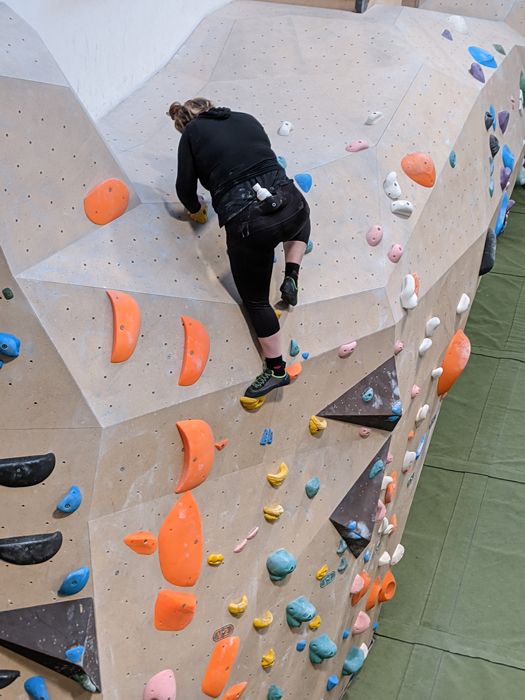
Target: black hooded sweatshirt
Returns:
[[228, 152]]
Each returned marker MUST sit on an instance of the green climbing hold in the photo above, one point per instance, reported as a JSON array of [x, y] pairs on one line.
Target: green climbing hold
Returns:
[[7, 293], [499, 48]]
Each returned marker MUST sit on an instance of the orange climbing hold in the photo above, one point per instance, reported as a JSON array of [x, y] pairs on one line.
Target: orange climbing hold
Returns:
[[356, 597], [391, 488], [294, 370], [199, 453], [393, 522], [180, 543], [141, 542], [373, 596], [126, 325], [221, 444], [196, 351], [235, 692], [173, 610], [420, 168], [455, 360], [388, 587], [220, 666], [106, 201]]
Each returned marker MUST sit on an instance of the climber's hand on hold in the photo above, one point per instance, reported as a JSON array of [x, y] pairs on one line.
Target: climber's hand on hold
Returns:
[[201, 216]]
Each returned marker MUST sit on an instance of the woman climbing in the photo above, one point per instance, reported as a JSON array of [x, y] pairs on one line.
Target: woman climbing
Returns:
[[230, 153]]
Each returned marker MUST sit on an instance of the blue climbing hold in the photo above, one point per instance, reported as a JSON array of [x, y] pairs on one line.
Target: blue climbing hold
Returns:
[[321, 648], [304, 180], [396, 408], [346, 634], [294, 348], [375, 626], [298, 611], [327, 579], [341, 547], [446, 34], [74, 581], [452, 159], [352, 525], [312, 487], [280, 564], [502, 215], [332, 682], [420, 446], [377, 467], [75, 654], [301, 645], [367, 556], [36, 688], [71, 501], [492, 112], [305, 355], [354, 661], [274, 693], [491, 187], [309, 247], [266, 437], [509, 160], [9, 345], [482, 56], [367, 395], [282, 161], [343, 565], [491, 165]]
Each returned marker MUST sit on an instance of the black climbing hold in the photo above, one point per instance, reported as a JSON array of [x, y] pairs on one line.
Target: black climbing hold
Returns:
[[354, 517], [8, 677], [361, 5], [489, 120], [351, 408], [7, 293], [494, 145], [30, 549], [489, 253], [26, 471], [43, 633]]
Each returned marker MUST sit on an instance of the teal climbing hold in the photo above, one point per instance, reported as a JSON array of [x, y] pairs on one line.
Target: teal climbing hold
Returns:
[[343, 565], [491, 187], [377, 467], [71, 501], [36, 688], [74, 582], [298, 611], [367, 395], [304, 180], [321, 648], [312, 487], [294, 348], [282, 161], [9, 345], [309, 246], [274, 693], [491, 165], [342, 546], [332, 682], [280, 564], [452, 159], [499, 48], [354, 661], [7, 293], [509, 160], [481, 56], [327, 579]]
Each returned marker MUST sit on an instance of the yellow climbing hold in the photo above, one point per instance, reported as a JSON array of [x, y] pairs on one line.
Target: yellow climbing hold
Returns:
[[265, 621], [315, 623], [268, 659], [252, 404], [215, 559], [238, 607], [278, 313], [316, 424], [273, 513], [322, 572], [277, 479]]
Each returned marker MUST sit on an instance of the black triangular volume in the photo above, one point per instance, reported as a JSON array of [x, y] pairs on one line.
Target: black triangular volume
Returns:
[[16, 472], [359, 506], [382, 411], [8, 677], [43, 633]]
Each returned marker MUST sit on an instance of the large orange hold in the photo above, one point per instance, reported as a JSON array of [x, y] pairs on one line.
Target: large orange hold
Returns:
[[220, 666], [196, 351], [199, 453], [106, 201], [420, 168], [388, 587], [141, 542], [126, 325], [173, 610], [373, 596], [180, 543], [455, 360], [356, 597], [235, 692]]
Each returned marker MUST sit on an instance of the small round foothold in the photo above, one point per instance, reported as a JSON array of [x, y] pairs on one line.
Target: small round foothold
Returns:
[[436, 373], [395, 253], [411, 435], [373, 117], [366, 556], [414, 391], [346, 634], [7, 293], [301, 645], [364, 432], [425, 346], [398, 347], [347, 349], [356, 146], [374, 235], [285, 128], [367, 395]]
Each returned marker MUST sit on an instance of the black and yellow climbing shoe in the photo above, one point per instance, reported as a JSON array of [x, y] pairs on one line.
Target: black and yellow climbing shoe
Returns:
[[264, 383], [288, 291]]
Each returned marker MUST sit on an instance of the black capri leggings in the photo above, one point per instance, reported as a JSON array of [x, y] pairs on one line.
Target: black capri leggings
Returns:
[[251, 238]]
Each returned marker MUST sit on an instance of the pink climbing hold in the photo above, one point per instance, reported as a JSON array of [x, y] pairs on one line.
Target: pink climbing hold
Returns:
[[398, 346], [395, 252], [374, 235], [161, 687], [356, 146], [364, 432], [240, 546], [362, 623], [252, 533], [357, 584], [414, 391], [347, 349], [389, 458], [380, 511]]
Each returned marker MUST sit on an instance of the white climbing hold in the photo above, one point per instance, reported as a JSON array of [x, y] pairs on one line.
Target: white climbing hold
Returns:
[[425, 346], [391, 186], [422, 413], [458, 23], [285, 128], [431, 326], [436, 373], [374, 117], [408, 292], [398, 554], [408, 460], [384, 559], [347, 349], [385, 528], [374, 235], [386, 481], [403, 208], [463, 304], [364, 649]]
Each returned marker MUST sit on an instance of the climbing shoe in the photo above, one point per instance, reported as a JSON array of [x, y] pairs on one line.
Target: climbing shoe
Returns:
[[266, 381], [288, 291]]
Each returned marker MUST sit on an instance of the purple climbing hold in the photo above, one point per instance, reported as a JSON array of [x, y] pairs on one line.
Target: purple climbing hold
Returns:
[[511, 203], [503, 120], [476, 71], [447, 35], [504, 177]]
